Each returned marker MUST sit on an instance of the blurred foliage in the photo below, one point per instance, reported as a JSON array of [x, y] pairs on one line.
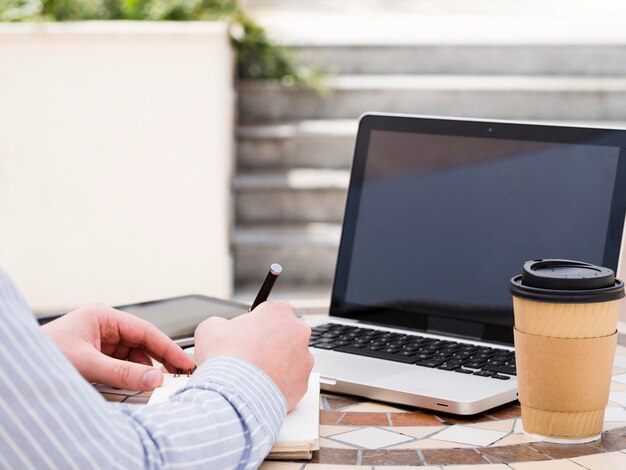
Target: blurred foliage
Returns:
[[257, 56]]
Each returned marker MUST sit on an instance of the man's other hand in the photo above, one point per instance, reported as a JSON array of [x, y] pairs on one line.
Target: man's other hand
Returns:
[[270, 337], [114, 348]]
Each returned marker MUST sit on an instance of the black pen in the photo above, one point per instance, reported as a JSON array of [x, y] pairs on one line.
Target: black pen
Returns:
[[266, 288]]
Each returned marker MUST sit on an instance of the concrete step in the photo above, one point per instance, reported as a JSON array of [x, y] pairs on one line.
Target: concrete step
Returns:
[[305, 144], [323, 143], [297, 195], [504, 97], [467, 59], [307, 252]]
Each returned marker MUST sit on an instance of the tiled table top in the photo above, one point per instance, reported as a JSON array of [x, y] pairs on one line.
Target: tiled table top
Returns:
[[357, 433]]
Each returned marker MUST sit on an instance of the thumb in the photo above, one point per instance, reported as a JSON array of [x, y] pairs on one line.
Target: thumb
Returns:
[[124, 374]]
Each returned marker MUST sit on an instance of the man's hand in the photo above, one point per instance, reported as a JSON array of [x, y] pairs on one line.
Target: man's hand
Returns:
[[114, 348], [270, 337]]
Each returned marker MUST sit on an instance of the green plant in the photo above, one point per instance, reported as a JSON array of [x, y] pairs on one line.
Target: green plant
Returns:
[[257, 56]]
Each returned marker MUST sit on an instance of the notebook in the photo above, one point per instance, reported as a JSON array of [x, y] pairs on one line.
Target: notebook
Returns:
[[298, 437], [441, 213]]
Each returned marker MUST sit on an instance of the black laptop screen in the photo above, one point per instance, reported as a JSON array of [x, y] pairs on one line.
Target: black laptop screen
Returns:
[[440, 223]]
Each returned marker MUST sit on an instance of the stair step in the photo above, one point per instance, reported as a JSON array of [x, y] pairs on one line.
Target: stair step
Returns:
[[308, 144], [307, 252], [323, 143], [468, 59], [297, 195], [497, 97]]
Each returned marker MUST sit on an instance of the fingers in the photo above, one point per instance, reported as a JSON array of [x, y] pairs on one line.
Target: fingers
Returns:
[[139, 356], [140, 334], [123, 374]]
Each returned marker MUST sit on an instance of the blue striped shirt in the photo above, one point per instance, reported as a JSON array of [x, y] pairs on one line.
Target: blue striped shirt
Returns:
[[227, 416]]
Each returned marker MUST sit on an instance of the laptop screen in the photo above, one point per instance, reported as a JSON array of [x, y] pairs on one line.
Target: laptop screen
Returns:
[[440, 217]]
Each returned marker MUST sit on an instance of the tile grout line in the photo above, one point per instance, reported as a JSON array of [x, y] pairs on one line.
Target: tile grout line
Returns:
[[421, 456], [325, 404], [482, 455], [580, 465], [548, 457]]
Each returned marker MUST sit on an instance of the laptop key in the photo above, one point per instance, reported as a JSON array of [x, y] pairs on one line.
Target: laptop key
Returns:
[[500, 377], [422, 357], [501, 369], [464, 371], [376, 354], [482, 373], [430, 363], [474, 365], [448, 367]]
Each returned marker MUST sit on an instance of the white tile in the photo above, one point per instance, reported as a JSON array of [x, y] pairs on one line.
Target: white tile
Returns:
[[504, 425], [620, 361], [372, 438], [436, 444], [493, 466], [609, 425], [613, 413], [467, 435], [562, 464], [404, 467], [608, 461], [618, 397], [416, 431], [618, 387], [621, 378], [519, 428], [514, 439], [330, 444]]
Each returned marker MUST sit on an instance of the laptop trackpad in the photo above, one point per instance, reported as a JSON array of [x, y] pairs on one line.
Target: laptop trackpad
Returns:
[[356, 369]]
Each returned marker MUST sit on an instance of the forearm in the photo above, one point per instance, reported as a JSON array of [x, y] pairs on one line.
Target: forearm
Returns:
[[227, 416], [51, 418]]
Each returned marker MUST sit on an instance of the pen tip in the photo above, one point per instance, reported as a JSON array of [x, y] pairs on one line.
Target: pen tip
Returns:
[[276, 269]]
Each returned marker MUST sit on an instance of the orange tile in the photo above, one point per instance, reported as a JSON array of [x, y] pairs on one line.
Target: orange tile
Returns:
[[365, 419], [413, 419], [330, 417], [508, 454], [452, 456], [390, 457], [337, 402], [511, 410], [335, 456]]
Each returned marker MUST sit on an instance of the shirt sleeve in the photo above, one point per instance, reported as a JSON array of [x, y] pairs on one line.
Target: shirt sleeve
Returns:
[[227, 416]]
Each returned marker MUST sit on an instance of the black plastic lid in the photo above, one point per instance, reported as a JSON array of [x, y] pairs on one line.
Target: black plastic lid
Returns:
[[566, 281]]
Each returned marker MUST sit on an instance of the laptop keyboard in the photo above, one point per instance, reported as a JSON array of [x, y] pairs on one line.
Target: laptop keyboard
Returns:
[[441, 354]]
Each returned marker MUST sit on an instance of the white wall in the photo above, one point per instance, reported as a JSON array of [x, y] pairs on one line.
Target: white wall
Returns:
[[116, 143]]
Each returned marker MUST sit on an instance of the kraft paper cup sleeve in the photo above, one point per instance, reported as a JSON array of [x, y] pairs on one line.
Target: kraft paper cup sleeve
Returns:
[[564, 374], [565, 320]]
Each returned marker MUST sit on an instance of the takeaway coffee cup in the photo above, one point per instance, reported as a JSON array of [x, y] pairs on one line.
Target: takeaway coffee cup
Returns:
[[565, 336]]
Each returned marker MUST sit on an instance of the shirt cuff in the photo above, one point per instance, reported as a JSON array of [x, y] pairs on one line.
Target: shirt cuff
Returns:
[[246, 381]]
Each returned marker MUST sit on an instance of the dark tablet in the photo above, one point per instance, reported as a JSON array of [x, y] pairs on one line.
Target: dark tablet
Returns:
[[178, 317]]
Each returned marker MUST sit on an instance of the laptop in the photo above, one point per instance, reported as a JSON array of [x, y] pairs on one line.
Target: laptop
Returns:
[[441, 213]]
